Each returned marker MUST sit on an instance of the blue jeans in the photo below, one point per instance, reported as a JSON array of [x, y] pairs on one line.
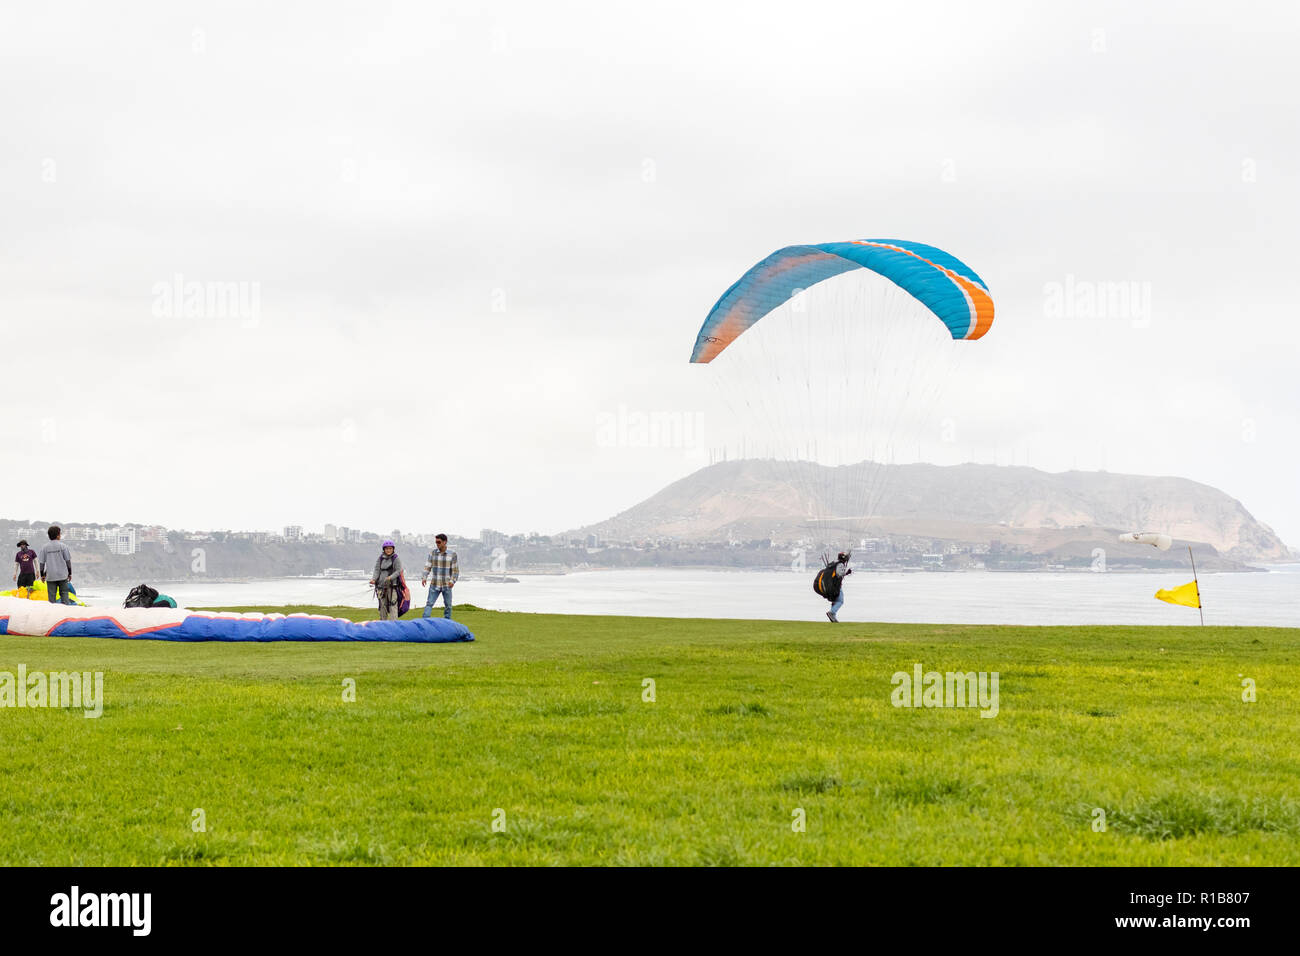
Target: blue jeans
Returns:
[[837, 603], [57, 592], [433, 598]]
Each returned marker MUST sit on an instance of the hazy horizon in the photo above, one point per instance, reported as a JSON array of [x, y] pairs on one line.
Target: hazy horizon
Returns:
[[317, 527]]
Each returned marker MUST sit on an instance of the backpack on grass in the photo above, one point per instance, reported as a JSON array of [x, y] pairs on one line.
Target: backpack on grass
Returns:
[[144, 596]]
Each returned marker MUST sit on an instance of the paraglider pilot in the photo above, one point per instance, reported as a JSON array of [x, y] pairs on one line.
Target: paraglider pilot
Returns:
[[829, 583], [387, 582]]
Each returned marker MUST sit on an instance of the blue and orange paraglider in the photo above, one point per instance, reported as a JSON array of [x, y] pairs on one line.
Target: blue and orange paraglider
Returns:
[[838, 354], [942, 283]]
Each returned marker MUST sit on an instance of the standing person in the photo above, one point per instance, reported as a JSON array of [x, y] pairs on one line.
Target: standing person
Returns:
[[56, 567], [441, 572], [387, 582], [24, 568]]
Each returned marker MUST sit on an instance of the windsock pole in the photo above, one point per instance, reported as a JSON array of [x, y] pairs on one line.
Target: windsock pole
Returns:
[[1200, 609]]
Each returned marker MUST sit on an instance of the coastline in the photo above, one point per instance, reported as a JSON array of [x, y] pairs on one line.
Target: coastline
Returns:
[[483, 576]]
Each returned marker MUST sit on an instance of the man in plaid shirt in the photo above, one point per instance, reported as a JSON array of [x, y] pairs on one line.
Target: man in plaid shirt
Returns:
[[440, 574]]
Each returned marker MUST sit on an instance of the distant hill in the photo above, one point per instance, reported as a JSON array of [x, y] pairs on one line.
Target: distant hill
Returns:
[[1063, 512]]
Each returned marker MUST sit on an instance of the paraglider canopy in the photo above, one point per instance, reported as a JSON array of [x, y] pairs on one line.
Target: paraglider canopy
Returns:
[[944, 284], [828, 361]]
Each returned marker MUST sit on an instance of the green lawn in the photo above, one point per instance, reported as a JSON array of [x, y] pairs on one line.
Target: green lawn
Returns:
[[543, 719]]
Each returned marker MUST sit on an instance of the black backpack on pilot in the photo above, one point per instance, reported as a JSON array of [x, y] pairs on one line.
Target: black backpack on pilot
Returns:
[[827, 583]]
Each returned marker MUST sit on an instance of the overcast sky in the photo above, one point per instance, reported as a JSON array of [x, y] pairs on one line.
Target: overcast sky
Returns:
[[469, 236]]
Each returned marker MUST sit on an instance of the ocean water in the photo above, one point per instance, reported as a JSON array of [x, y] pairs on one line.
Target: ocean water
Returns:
[[1270, 598]]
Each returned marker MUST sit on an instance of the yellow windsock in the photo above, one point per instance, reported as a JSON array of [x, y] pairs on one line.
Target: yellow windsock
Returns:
[[1188, 595]]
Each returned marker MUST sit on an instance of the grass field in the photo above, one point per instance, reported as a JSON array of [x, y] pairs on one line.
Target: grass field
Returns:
[[541, 725]]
